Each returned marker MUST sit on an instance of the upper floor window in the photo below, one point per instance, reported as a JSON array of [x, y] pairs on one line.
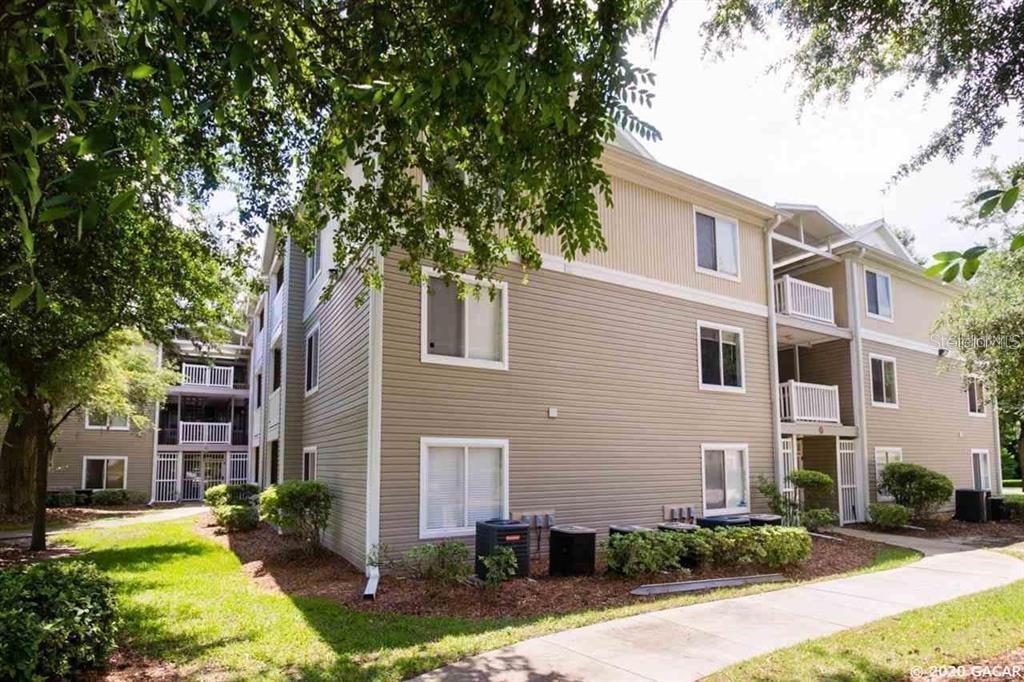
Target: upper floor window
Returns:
[[275, 379], [261, 320], [718, 247], [113, 422], [883, 381], [313, 260], [312, 359], [472, 331], [279, 279], [104, 473], [975, 396], [462, 481], [879, 294], [726, 481], [721, 357], [259, 390]]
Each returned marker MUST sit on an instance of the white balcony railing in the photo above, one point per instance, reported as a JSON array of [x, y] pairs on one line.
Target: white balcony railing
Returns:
[[206, 375], [800, 402], [204, 432], [257, 424], [274, 408], [276, 307], [803, 299]]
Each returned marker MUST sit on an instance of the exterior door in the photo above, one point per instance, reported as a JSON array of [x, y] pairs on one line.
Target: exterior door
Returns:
[[846, 467]]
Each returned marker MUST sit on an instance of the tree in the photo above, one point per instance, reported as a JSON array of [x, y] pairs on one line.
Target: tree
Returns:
[[985, 326], [975, 45]]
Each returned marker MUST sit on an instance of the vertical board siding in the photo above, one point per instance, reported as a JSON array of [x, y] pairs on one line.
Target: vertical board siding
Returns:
[[621, 367], [829, 364], [820, 455], [334, 418], [651, 234], [293, 344], [74, 442], [931, 423], [832, 275]]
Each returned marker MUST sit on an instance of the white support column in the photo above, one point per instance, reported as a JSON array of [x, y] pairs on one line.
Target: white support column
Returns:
[[796, 362], [857, 374], [178, 476], [773, 351]]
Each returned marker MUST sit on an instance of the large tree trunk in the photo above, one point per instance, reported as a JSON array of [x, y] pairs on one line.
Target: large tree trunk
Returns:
[[17, 464], [42, 446]]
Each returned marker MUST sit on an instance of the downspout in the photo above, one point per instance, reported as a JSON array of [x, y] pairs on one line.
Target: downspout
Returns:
[[773, 348], [999, 446], [857, 372], [373, 428], [156, 428]]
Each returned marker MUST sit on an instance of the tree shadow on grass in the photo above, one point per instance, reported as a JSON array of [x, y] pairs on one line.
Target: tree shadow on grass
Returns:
[[845, 666]]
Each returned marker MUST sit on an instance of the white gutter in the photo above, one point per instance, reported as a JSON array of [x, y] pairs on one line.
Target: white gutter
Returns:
[[373, 427], [773, 349], [857, 371], [156, 428], [999, 446]]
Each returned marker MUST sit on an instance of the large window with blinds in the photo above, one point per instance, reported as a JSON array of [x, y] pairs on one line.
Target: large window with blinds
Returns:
[[462, 481], [720, 353], [883, 381], [717, 244], [878, 291], [726, 478], [470, 331]]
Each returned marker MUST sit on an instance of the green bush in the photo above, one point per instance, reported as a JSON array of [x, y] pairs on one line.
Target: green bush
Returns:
[[814, 519], [783, 545], [64, 617], [230, 493], [299, 506], [917, 488], [109, 498], [773, 546], [444, 563], [818, 488], [886, 515], [236, 516], [500, 565], [61, 498], [1015, 507], [632, 554]]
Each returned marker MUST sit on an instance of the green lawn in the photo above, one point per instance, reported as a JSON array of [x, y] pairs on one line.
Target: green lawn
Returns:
[[968, 629], [187, 601]]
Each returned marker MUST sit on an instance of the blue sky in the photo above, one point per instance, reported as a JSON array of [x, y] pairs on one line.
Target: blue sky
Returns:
[[735, 124]]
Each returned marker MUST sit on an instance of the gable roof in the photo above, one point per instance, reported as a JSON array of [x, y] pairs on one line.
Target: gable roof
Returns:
[[880, 234]]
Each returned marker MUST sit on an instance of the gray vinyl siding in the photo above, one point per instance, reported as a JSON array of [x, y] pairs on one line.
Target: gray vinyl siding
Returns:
[[293, 364], [334, 418], [621, 366], [75, 442], [931, 424]]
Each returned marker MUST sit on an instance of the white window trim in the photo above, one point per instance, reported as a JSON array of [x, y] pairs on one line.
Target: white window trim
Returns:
[[892, 295], [107, 427], [742, 388], [316, 460], [426, 356], [878, 472], [316, 258], [104, 458], [696, 255], [427, 442], [981, 404], [305, 361], [895, 381], [988, 468], [745, 449]]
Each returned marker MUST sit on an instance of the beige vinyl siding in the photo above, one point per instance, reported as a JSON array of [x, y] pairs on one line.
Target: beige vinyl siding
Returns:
[[931, 424], [819, 454], [619, 364], [74, 442], [830, 364], [916, 305], [334, 418], [293, 363], [651, 234], [832, 275]]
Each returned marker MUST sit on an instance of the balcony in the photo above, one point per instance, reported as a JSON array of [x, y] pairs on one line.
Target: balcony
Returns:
[[213, 433], [276, 311], [805, 300], [216, 376], [802, 402]]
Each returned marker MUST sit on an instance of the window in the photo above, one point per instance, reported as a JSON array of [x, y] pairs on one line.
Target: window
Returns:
[[313, 261], [726, 484], [721, 357], [279, 279], [275, 462], [462, 481], [717, 239], [260, 327], [975, 397], [883, 381], [98, 420], [312, 359], [101, 473], [276, 378], [259, 390], [883, 458], [979, 460], [308, 464], [879, 294], [471, 332]]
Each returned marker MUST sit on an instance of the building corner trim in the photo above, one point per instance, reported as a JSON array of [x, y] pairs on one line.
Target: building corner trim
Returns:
[[373, 436], [857, 379]]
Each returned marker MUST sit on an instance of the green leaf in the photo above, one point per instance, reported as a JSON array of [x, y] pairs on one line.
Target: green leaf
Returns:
[[141, 72], [239, 19], [1018, 242], [971, 267], [987, 194], [22, 293], [165, 106], [98, 140], [988, 207], [20, 141], [56, 213], [935, 269], [174, 72], [951, 272], [240, 54], [41, 300], [44, 135], [1009, 199], [974, 252], [121, 202], [243, 81], [946, 256]]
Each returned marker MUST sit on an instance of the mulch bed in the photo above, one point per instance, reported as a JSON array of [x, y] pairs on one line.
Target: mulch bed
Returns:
[[992, 534], [277, 563], [1006, 666], [16, 552], [127, 666], [67, 516]]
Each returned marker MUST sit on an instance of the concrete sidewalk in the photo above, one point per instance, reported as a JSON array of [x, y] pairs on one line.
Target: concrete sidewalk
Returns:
[[144, 516], [689, 642]]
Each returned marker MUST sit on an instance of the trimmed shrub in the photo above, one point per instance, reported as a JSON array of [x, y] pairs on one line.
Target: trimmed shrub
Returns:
[[61, 498], [813, 519], [299, 506], [632, 554], [444, 563], [886, 515], [499, 566], [1014, 505], [783, 545], [917, 488], [236, 516], [230, 493], [109, 498], [64, 616], [818, 488]]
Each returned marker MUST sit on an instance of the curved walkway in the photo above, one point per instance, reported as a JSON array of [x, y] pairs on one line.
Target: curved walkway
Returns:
[[689, 642]]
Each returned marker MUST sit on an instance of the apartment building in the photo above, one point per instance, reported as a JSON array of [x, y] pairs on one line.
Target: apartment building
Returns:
[[198, 437], [717, 341]]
